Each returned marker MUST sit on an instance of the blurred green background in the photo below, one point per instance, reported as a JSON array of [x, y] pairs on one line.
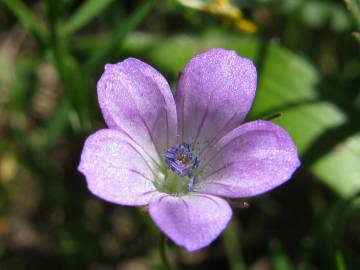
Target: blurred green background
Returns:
[[51, 56]]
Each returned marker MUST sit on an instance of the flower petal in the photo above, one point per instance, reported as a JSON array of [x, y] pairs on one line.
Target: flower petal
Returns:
[[192, 221], [136, 99], [214, 94], [253, 158], [115, 169]]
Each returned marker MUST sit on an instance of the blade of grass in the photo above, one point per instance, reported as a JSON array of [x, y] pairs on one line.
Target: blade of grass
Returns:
[[67, 67], [340, 261], [57, 124], [118, 36], [354, 9], [88, 11], [25, 16]]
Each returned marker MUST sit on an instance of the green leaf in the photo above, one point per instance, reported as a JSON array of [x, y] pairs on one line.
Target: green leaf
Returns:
[[287, 84], [340, 167], [88, 11]]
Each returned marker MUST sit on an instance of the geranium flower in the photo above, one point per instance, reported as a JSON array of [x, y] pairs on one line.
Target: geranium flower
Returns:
[[181, 155]]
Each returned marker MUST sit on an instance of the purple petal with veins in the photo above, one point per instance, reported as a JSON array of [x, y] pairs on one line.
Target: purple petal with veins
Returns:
[[180, 155]]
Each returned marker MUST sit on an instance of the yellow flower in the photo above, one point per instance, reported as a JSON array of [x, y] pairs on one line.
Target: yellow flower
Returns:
[[224, 9]]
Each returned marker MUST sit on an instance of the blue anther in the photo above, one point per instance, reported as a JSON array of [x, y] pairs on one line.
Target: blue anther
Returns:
[[196, 163], [181, 160], [191, 184]]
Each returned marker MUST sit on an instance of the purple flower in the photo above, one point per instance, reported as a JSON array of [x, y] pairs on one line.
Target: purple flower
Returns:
[[181, 155]]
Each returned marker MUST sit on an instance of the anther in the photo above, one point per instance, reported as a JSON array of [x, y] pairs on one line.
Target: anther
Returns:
[[181, 160]]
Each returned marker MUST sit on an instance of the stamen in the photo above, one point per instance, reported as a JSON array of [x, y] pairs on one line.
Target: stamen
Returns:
[[181, 160], [191, 184]]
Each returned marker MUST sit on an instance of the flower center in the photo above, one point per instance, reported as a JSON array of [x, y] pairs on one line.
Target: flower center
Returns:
[[180, 178], [181, 160]]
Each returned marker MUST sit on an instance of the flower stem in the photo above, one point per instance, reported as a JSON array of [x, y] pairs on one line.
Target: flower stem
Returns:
[[231, 240], [162, 249]]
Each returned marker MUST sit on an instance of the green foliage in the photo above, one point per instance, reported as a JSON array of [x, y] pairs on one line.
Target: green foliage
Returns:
[[88, 11], [51, 55], [26, 18], [117, 37]]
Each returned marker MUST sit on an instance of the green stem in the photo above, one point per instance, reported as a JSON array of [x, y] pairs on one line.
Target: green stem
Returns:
[[340, 261], [162, 249], [231, 238]]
